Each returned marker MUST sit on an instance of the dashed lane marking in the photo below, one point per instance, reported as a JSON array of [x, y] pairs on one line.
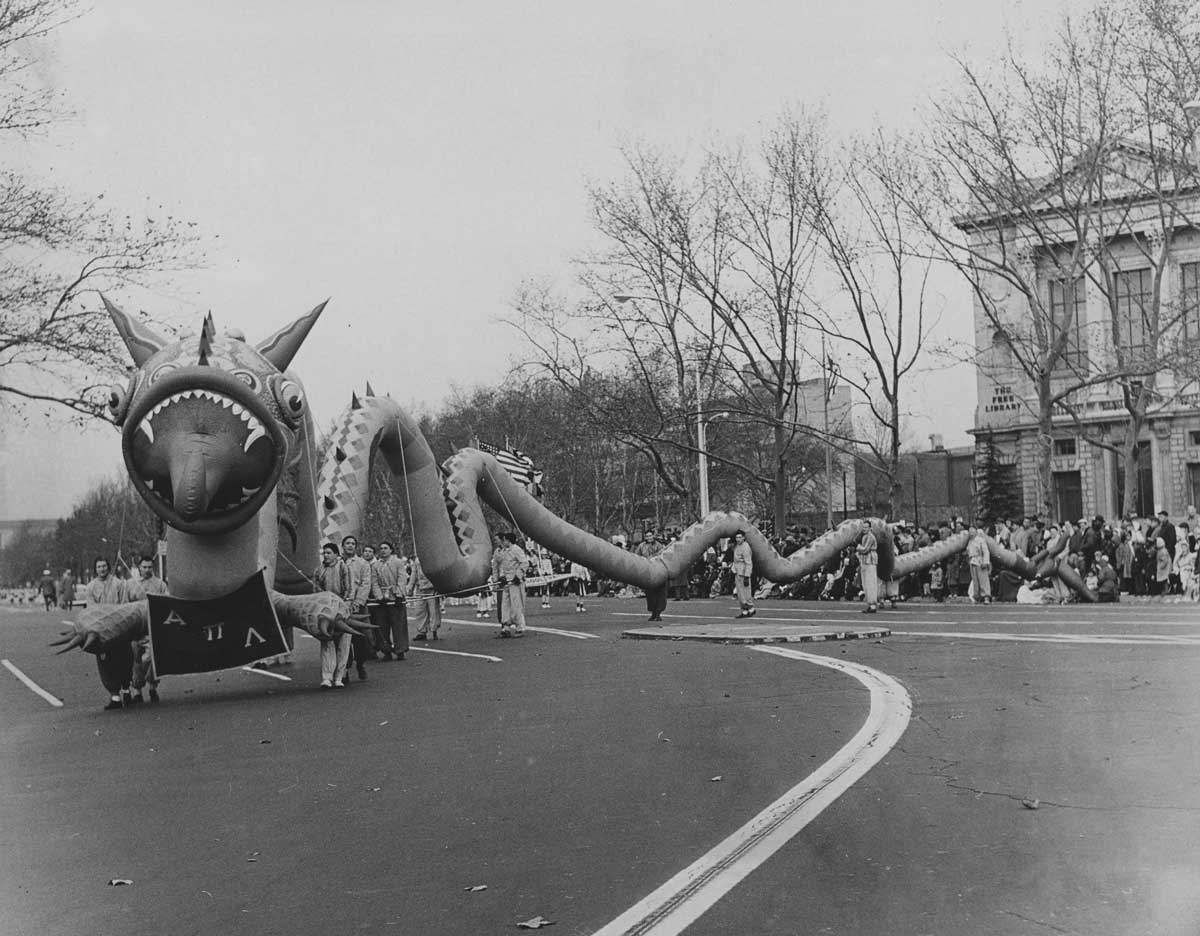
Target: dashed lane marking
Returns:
[[262, 672], [679, 902], [477, 656], [31, 685], [578, 635]]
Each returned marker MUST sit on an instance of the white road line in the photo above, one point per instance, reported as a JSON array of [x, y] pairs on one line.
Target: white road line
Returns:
[[679, 902], [1154, 640], [262, 672], [478, 656], [578, 635], [31, 685]]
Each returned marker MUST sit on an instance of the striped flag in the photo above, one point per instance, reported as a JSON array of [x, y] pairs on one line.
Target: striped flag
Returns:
[[517, 464]]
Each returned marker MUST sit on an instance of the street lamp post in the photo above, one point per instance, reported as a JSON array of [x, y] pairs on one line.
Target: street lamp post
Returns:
[[702, 446]]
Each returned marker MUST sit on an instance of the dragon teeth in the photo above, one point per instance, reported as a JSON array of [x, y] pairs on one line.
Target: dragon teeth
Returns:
[[147, 428], [248, 493], [256, 432]]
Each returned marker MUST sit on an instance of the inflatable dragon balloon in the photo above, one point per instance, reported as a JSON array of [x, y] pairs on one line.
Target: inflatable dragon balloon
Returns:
[[219, 441]]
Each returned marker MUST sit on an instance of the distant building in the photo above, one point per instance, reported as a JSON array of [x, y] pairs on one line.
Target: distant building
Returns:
[[10, 528], [934, 485], [1087, 473], [809, 410]]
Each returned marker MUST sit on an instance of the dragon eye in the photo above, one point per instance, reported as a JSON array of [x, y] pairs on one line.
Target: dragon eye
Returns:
[[290, 397], [162, 370], [247, 378], [118, 402]]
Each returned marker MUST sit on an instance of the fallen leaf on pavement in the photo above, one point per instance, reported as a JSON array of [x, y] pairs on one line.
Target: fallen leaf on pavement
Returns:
[[714, 779], [536, 923], [117, 882], [475, 888], [1030, 803]]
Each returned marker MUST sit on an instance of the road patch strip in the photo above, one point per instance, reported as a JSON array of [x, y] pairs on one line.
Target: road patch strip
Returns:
[[31, 685], [679, 902], [751, 634], [1149, 640]]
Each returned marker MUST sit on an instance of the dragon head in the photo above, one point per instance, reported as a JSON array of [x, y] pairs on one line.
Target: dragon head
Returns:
[[208, 422]]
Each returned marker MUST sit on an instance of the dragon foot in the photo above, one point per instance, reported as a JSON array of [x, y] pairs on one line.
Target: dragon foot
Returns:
[[103, 625], [324, 615]]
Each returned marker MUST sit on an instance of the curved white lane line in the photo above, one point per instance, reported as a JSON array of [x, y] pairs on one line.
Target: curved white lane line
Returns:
[[680, 901], [1148, 640], [31, 685]]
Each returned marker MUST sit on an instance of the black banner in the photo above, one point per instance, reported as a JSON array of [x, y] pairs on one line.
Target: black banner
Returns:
[[215, 633]]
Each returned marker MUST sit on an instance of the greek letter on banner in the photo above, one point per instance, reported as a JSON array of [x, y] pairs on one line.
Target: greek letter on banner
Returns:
[[216, 633]]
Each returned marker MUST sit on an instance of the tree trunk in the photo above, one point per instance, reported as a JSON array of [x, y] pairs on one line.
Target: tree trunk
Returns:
[[781, 481], [894, 487], [1045, 446], [1129, 450]]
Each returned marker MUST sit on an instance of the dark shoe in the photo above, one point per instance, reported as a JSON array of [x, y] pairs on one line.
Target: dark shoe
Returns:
[[399, 656], [362, 672], [434, 636], [742, 614], [136, 699], [419, 637], [113, 705], [869, 609], [153, 694], [750, 612]]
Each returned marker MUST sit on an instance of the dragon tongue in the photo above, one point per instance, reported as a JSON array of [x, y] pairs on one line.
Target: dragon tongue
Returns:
[[189, 484]]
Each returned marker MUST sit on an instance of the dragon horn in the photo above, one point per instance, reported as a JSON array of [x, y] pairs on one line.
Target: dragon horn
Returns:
[[370, 392], [282, 346], [142, 342]]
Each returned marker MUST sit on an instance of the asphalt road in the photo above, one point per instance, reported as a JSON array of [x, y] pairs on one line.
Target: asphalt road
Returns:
[[577, 773]]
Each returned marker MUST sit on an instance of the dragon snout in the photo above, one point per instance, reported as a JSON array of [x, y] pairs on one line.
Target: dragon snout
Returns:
[[204, 458]]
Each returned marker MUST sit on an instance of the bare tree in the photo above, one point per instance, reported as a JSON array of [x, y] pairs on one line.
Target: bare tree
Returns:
[[700, 291], [58, 250], [880, 313]]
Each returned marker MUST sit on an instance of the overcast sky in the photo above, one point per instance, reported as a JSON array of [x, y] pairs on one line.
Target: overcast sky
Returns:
[[415, 161]]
